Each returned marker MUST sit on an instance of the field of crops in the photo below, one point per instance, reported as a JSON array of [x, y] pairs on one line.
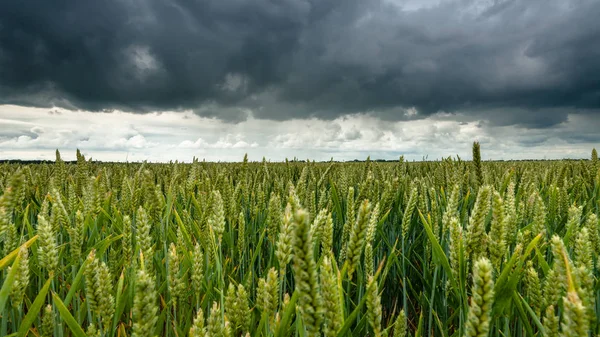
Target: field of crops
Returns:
[[441, 248]]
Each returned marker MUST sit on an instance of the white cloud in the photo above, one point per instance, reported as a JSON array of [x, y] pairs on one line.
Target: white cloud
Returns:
[[31, 133], [198, 144], [135, 142], [227, 142]]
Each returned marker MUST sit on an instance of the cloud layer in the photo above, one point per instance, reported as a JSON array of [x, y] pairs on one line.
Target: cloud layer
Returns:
[[509, 62], [34, 133]]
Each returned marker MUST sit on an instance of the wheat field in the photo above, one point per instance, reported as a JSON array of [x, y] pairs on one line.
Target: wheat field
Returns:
[[297, 248]]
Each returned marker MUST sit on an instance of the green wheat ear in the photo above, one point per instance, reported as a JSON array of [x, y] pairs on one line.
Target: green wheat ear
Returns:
[[22, 279], [575, 322], [230, 297], [357, 237], [456, 245], [333, 316], [552, 288], [76, 234], [318, 227], [236, 307], [510, 214], [550, 323], [482, 298], [374, 306], [534, 290], [477, 167], [372, 226], [574, 218], [216, 220], [143, 237], [557, 281], [592, 226], [400, 325], [285, 240], [215, 326], [583, 250], [241, 320], [47, 247], [496, 236], [368, 263], [99, 287], [198, 329], [10, 238], [305, 273], [408, 212], [47, 327], [476, 236], [451, 209], [197, 268], [327, 235], [91, 331], [144, 304], [241, 235], [176, 284], [274, 217], [349, 223], [127, 240], [267, 293]]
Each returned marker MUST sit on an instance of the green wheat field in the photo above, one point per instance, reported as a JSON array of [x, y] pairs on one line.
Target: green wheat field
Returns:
[[441, 248]]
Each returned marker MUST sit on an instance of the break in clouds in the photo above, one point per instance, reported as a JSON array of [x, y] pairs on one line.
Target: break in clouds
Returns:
[[500, 67]]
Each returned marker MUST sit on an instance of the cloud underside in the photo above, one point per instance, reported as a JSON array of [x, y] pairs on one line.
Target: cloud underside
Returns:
[[529, 63]]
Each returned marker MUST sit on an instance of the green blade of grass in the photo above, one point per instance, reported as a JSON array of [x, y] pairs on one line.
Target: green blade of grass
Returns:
[[35, 308], [8, 282], [8, 258], [67, 317]]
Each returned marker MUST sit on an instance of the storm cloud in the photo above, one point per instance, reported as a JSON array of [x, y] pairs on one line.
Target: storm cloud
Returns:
[[510, 62]]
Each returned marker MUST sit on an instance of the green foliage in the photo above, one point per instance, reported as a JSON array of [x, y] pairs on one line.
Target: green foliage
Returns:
[[375, 248]]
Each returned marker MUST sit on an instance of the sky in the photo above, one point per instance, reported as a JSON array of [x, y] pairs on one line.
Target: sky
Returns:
[[160, 80]]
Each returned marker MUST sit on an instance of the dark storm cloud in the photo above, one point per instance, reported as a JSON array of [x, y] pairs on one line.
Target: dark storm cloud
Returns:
[[516, 62]]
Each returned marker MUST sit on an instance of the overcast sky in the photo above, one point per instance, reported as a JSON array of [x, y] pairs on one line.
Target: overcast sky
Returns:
[[171, 79]]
